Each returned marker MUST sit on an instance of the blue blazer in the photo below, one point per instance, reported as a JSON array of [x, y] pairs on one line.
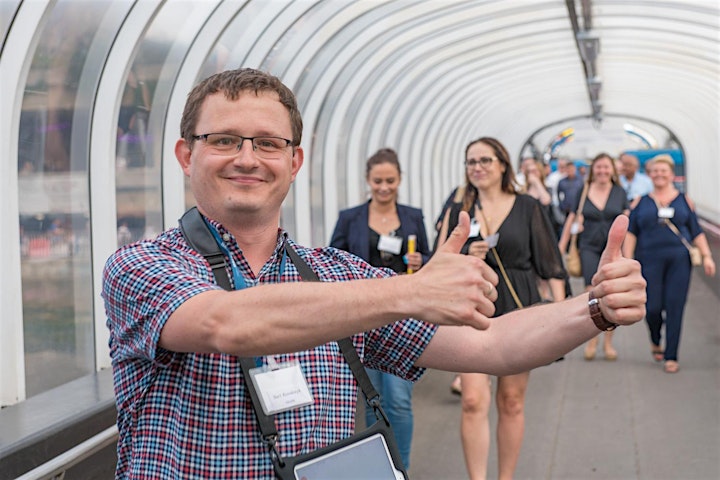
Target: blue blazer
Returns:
[[352, 233]]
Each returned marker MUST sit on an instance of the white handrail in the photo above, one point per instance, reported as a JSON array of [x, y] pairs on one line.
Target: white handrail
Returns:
[[56, 467]]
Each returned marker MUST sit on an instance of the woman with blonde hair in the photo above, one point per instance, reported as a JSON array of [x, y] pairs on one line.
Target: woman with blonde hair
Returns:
[[602, 200], [662, 227]]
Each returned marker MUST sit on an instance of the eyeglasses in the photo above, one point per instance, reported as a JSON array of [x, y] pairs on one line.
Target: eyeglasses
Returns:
[[229, 144], [483, 162]]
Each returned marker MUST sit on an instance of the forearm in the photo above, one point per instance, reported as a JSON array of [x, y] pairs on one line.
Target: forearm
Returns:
[[565, 235], [516, 342], [557, 287], [628, 246], [283, 318], [701, 242], [544, 196], [288, 317]]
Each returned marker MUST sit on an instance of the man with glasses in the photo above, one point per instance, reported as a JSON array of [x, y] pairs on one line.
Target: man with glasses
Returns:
[[176, 336]]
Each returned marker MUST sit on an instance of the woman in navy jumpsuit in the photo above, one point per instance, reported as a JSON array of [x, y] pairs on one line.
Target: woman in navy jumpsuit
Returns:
[[664, 257]]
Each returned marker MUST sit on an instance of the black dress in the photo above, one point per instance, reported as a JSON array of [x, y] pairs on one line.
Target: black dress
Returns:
[[596, 226], [527, 248]]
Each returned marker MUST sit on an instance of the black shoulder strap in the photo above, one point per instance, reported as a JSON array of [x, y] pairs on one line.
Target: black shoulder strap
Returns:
[[199, 237], [346, 345]]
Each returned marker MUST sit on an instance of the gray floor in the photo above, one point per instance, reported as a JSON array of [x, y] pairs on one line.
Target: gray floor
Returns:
[[600, 420]]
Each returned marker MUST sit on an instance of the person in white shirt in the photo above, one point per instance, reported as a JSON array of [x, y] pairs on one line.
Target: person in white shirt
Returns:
[[635, 183]]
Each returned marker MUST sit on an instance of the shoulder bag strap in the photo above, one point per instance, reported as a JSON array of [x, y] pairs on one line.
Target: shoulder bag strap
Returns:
[[583, 196], [346, 345], [198, 236], [674, 229], [502, 267]]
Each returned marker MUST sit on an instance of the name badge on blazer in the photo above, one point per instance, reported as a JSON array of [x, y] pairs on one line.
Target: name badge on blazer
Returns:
[[390, 244]]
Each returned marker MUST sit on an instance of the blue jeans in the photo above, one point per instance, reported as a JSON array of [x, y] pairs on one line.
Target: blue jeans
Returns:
[[396, 400]]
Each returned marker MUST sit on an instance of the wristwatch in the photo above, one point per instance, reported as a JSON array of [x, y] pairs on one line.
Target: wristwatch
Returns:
[[598, 318]]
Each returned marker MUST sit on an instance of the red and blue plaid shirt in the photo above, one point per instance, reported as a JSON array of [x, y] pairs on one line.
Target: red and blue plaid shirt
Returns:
[[187, 415]]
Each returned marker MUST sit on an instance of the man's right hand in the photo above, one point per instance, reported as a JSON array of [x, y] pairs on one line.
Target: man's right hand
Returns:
[[455, 289]]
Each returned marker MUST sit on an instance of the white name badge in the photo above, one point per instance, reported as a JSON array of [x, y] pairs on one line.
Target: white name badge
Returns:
[[574, 228], [390, 244], [281, 389], [666, 212], [474, 228], [492, 240]]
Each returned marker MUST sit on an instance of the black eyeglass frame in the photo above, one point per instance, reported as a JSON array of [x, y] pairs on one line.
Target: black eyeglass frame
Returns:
[[204, 137]]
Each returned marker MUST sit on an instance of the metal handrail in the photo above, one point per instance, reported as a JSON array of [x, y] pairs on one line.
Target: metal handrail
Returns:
[[55, 468]]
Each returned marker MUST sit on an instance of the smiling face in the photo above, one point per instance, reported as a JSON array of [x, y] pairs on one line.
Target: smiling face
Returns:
[[602, 171], [661, 174], [383, 180], [229, 188], [484, 175]]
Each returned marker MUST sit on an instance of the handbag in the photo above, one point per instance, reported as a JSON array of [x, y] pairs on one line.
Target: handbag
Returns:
[[695, 256], [371, 454], [572, 261]]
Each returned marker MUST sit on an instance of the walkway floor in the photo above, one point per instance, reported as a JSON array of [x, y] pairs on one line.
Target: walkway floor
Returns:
[[600, 420]]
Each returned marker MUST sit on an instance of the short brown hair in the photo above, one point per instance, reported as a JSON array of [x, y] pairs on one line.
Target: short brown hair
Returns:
[[232, 83], [384, 155]]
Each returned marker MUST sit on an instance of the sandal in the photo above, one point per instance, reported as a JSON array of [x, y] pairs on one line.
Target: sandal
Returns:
[[657, 353], [671, 366], [456, 386], [589, 352], [611, 355]]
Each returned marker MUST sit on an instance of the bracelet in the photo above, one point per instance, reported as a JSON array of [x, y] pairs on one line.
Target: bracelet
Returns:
[[602, 323]]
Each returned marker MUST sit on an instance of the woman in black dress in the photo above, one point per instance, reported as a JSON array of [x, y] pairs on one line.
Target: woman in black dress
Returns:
[[525, 245], [605, 200]]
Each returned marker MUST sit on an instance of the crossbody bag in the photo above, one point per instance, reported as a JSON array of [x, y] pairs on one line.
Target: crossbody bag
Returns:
[[695, 255], [371, 454]]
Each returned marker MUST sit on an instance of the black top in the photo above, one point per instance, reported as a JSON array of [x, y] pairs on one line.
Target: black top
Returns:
[[596, 223], [386, 259], [527, 248]]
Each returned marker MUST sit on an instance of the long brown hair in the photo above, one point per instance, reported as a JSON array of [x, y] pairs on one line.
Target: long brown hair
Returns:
[[600, 156], [508, 178]]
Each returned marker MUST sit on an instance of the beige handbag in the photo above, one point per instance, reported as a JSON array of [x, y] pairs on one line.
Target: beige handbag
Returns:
[[572, 261], [695, 256]]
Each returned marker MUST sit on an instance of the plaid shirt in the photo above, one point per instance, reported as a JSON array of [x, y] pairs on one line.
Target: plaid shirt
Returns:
[[187, 415]]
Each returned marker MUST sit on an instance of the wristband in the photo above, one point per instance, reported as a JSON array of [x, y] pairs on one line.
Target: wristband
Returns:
[[598, 318]]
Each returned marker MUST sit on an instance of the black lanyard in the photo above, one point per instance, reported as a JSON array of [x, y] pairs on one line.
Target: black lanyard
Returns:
[[199, 237]]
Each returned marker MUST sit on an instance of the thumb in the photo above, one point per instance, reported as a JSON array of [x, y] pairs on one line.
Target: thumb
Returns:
[[616, 236], [459, 235]]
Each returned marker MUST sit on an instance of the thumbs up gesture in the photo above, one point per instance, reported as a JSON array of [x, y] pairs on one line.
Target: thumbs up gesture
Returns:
[[618, 283], [456, 289]]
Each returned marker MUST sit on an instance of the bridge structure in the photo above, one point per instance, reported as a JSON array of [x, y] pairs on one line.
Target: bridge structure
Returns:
[[90, 109]]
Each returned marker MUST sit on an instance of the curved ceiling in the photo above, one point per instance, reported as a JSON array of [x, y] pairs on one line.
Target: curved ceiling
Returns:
[[425, 77]]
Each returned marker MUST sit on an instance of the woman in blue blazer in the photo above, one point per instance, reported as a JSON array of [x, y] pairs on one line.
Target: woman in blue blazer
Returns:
[[377, 231]]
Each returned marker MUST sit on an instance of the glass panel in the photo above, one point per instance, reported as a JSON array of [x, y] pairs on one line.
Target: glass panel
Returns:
[[142, 117], [7, 11], [53, 170]]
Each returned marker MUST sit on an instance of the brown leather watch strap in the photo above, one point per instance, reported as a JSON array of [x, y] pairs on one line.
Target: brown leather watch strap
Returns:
[[598, 318]]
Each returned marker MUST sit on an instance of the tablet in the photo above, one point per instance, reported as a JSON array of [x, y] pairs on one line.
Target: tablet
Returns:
[[367, 459]]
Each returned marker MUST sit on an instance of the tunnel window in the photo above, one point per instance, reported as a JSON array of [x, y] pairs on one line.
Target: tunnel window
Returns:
[[53, 175]]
